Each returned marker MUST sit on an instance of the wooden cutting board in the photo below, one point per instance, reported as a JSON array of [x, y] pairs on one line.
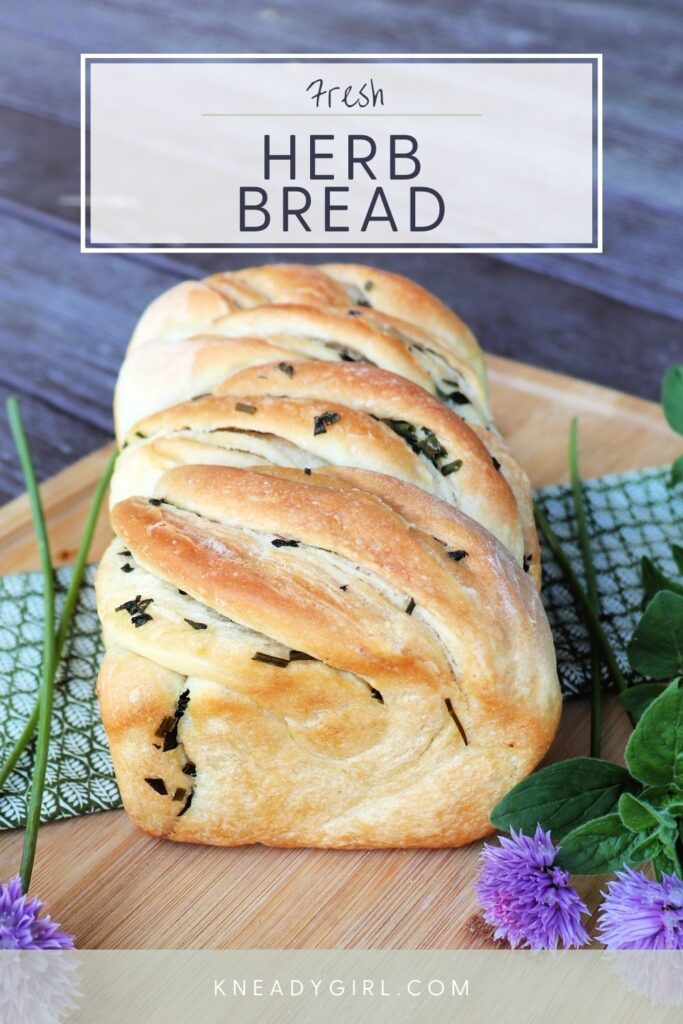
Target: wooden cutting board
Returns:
[[113, 886]]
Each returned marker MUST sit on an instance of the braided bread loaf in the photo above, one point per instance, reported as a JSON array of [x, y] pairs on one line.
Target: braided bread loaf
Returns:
[[341, 412], [332, 658]]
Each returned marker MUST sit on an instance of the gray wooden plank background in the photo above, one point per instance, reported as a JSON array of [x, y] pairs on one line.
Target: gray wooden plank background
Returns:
[[65, 317]]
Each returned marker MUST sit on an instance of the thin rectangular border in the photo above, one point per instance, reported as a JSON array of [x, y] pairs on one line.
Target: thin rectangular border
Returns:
[[595, 58]]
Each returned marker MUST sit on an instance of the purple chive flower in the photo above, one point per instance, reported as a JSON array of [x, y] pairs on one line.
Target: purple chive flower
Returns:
[[525, 897], [638, 913], [20, 926]]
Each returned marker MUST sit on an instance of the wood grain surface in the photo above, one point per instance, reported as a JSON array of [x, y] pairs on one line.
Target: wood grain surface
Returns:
[[65, 317], [114, 887]]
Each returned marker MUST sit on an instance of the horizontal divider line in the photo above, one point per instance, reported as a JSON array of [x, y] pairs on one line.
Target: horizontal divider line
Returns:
[[330, 114]]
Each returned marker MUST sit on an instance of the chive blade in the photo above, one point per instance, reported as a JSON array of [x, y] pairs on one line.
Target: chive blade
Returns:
[[81, 559], [591, 584], [593, 623], [47, 675], [67, 612]]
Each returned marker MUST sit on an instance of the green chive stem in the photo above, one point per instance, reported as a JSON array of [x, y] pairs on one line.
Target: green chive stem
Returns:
[[592, 621], [591, 585], [67, 612], [47, 680], [81, 559], [41, 717]]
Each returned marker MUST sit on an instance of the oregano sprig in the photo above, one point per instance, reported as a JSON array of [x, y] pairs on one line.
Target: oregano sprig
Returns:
[[608, 817]]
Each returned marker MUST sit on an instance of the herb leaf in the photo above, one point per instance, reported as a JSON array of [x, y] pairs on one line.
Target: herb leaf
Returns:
[[158, 785], [654, 580], [637, 699], [563, 796], [300, 656], [656, 647], [677, 552], [648, 847], [664, 864], [654, 753], [676, 472], [637, 815], [270, 659], [323, 421], [672, 397], [600, 846]]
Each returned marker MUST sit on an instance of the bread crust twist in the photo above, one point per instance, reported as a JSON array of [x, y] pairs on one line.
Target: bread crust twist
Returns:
[[348, 414], [187, 308]]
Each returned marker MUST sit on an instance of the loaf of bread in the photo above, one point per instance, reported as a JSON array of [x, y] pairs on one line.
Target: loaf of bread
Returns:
[[320, 609]]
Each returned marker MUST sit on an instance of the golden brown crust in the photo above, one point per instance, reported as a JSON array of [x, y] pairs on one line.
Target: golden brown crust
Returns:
[[404, 299], [305, 753], [382, 420], [281, 283], [191, 307], [499, 480], [181, 369], [377, 294]]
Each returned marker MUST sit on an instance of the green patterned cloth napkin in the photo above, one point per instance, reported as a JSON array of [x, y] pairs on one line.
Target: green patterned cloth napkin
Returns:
[[629, 515], [80, 775]]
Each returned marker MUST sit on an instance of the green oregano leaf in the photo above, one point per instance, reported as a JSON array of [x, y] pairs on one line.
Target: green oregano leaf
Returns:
[[664, 865], [672, 397], [656, 647], [677, 552], [637, 815], [638, 698], [676, 472], [563, 796], [648, 847], [654, 580], [598, 847], [667, 834], [668, 799], [653, 753]]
